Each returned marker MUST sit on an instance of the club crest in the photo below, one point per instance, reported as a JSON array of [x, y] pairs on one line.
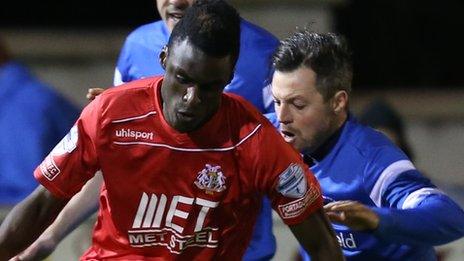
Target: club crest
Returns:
[[211, 179]]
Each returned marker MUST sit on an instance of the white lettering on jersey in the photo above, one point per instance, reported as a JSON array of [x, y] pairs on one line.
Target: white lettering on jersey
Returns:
[[128, 133], [346, 240], [147, 229], [49, 169], [296, 207]]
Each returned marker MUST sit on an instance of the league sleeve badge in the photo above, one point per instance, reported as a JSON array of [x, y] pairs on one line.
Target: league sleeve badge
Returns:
[[292, 182], [48, 167], [67, 144]]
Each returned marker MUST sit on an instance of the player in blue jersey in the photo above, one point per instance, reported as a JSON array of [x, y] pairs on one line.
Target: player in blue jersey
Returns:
[[139, 58], [381, 207], [33, 118]]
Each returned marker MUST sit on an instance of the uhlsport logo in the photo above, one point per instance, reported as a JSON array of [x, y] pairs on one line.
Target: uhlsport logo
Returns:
[[128, 133], [211, 179], [148, 228]]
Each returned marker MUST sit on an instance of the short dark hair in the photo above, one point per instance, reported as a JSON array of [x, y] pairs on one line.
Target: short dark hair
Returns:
[[327, 54], [213, 26]]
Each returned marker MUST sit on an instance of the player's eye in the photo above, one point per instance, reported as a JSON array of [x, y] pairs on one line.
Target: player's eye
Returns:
[[299, 105], [182, 79]]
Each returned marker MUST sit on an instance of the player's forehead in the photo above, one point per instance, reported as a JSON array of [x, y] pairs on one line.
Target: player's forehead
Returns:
[[297, 83], [185, 57]]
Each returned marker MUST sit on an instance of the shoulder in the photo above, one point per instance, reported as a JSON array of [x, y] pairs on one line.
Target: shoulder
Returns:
[[245, 118], [146, 32], [133, 98], [43, 98], [372, 144], [255, 37]]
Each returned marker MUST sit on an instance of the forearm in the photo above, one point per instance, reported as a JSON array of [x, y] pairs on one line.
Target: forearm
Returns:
[[27, 221], [437, 220], [317, 237], [78, 209]]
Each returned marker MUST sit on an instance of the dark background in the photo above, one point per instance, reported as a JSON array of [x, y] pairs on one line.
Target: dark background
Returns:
[[396, 43]]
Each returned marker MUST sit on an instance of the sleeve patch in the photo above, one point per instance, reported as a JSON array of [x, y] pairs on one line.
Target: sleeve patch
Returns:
[[292, 182], [296, 207], [49, 169], [67, 144]]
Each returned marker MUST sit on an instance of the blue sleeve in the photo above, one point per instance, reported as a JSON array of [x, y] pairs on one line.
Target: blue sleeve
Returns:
[[417, 213], [262, 245], [121, 72], [436, 220]]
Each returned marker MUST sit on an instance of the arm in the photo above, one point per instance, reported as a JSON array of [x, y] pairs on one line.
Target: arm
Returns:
[[441, 219], [315, 234], [79, 208], [27, 220]]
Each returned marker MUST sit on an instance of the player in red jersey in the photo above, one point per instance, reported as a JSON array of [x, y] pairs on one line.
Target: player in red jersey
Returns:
[[184, 165]]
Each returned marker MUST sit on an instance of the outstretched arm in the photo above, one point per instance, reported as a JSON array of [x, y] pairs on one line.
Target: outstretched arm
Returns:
[[79, 208], [28, 220], [436, 220], [315, 234]]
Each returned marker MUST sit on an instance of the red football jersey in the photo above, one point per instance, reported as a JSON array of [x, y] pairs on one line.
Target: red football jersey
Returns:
[[171, 195]]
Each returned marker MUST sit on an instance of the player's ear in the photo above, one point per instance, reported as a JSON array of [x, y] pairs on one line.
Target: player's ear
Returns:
[[162, 56], [340, 101]]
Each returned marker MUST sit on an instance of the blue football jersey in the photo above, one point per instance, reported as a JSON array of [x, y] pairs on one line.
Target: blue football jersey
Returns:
[[362, 164], [34, 118], [139, 58]]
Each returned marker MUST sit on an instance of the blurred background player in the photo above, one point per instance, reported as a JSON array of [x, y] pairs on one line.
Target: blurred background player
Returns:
[[33, 118], [139, 58], [373, 193], [381, 116]]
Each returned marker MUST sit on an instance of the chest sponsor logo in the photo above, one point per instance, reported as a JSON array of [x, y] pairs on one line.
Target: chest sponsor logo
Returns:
[[128, 133], [211, 179], [296, 207], [162, 221], [292, 182]]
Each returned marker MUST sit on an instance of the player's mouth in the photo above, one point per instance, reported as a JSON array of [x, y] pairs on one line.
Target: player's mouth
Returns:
[[175, 16], [185, 115], [288, 136]]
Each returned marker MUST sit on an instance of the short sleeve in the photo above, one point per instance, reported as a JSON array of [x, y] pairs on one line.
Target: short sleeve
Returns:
[[74, 159], [282, 175]]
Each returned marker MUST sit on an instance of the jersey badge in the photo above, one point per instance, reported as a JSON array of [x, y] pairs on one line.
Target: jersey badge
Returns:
[[292, 182], [67, 144], [211, 179]]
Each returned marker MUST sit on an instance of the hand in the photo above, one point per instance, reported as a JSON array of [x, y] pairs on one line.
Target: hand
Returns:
[[94, 92], [39, 250], [352, 214]]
